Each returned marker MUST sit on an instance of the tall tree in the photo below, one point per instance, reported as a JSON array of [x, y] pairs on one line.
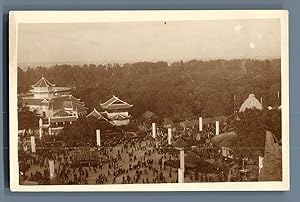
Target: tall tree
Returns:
[[26, 118]]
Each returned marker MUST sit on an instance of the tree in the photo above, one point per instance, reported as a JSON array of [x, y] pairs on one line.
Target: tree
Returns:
[[181, 90], [251, 127], [272, 122], [26, 118], [83, 131], [251, 133]]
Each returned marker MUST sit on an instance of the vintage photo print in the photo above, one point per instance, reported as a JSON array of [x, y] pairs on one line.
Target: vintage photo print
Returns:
[[149, 100]]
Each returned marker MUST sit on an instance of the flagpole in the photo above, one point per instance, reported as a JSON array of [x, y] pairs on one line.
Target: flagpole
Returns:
[[234, 104]]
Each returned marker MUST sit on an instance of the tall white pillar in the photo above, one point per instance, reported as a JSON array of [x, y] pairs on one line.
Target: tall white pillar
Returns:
[[40, 123], [32, 141], [41, 132], [260, 163], [51, 168], [200, 124], [98, 138], [217, 128], [153, 130], [234, 98], [182, 159], [49, 130], [180, 176], [169, 136], [261, 100]]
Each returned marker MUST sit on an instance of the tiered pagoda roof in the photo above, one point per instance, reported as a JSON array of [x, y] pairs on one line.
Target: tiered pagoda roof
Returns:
[[94, 113], [98, 115], [119, 117], [43, 83], [73, 106], [105, 116], [66, 102], [115, 103]]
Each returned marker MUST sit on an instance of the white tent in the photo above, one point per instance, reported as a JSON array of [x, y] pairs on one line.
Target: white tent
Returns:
[[250, 103]]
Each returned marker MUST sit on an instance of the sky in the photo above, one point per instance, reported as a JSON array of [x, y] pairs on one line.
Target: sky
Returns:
[[122, 42]]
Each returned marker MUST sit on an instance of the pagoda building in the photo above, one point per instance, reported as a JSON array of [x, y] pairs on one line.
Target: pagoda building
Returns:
[[55, 104], [115, 111]]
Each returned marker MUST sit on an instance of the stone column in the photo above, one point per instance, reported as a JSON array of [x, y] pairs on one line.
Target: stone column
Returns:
[[182, 159], [98, 138], [217, 128], [200, 124], [180, 176], [41, 132], [50, 130], [51, 169], [153, 130], [32, 141], [169, 136], [40, 123], [260, 163]]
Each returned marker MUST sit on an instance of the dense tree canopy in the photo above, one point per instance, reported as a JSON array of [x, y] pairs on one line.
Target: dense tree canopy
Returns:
[[83, 132], [180, 90], [251, 127], [27, 119]]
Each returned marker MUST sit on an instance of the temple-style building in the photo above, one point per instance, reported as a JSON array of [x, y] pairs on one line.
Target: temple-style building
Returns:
[[115, 111], [55, 104]]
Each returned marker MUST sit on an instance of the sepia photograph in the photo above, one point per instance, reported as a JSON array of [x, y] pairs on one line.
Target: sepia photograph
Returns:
[[149, 100]]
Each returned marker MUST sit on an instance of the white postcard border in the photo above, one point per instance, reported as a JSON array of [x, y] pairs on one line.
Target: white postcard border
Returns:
[[17, 17]]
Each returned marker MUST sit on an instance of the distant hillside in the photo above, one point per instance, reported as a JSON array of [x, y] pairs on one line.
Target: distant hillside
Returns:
[[180, 90]]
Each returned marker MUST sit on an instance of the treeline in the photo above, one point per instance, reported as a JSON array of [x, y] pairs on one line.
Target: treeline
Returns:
[[181, 90]]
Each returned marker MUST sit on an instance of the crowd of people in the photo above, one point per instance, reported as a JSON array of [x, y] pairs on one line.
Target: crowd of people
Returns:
[[123, 160]]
